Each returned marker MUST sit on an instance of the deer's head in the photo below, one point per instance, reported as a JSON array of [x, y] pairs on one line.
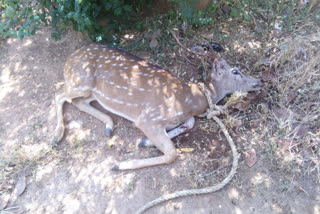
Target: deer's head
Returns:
[[226, 80]]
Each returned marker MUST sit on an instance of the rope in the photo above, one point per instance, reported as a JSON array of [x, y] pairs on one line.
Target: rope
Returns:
[[212, 112]]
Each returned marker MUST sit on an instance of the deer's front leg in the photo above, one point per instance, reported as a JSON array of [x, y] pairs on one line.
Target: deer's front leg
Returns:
[[162, 141], [187, 125], [84, 105]]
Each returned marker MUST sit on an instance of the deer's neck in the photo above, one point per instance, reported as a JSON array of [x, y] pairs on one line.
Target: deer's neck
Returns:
[[215, 94], [200, 98]]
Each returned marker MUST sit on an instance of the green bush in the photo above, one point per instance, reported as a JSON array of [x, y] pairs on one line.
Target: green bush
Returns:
[[195, 17], [17, 19], [21, 18]]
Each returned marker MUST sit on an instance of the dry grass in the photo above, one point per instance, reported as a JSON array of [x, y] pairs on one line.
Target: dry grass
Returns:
[[295, 130]]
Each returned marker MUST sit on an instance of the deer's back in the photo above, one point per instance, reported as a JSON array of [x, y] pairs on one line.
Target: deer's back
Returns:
[[126, 84]]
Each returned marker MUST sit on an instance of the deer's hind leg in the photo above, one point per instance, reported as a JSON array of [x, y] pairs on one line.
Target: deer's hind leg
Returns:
[[58, 134], [60, 100], [84, 105], [162, 141]]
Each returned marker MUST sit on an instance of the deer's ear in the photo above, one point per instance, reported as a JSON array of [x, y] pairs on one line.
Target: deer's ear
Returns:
[[216, 73]]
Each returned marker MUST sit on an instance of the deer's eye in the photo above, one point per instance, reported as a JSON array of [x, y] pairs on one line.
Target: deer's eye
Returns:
[[236, 72]]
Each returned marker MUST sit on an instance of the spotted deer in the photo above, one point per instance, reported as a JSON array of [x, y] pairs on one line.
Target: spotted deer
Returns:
[[158, 103]]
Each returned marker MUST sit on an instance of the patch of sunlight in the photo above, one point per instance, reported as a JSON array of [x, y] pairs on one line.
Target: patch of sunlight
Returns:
[[90, 172], [260, 178], [75, 124], [237, 47], [42, 172], [316, 209], [33, 149], [21, 93], [71, 204], [17, 66], [276, 208], [9, 144], [129, 36], [9, 84], [233, 194], [4, 90], [113, 141], [23, 123], [238, 210], [27, 42], [8, 148], [289, 157], [78, 134], [5, 75], [173, 172], [254, 44], [125, 181], [111, 207], [11, 41]]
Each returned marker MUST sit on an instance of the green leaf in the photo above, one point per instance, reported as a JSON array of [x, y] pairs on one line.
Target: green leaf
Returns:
[[11, 32], [20, 33], [234, 12], [9, 12]]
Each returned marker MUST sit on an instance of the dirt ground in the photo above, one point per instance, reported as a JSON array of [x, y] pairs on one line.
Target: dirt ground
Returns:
[[76, 177]]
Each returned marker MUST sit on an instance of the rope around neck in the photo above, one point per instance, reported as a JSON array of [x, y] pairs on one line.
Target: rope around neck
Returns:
[[212, 112]]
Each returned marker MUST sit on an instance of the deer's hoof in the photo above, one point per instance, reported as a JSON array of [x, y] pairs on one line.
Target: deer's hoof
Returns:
[[115, 168], [145, 143], [142, 143], [108, 132], [54, 142]]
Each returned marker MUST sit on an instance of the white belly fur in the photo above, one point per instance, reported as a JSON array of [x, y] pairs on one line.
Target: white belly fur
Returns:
[[112, 110]]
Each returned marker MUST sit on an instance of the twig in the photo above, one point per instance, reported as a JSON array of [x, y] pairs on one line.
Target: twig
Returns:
[[188, 60], [214, 171], [210, 54]]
